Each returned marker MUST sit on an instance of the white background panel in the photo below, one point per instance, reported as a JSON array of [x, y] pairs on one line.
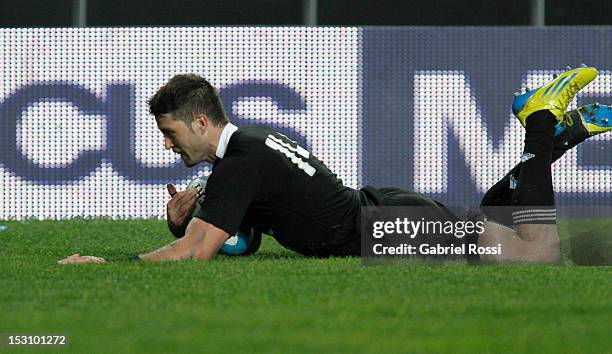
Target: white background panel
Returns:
[[322, 64]]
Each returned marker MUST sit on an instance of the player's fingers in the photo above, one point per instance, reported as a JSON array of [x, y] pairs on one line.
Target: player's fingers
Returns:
[[178, 198], [191, 192], [177, 201], [184, 209], [173, 200], [67, 260], [189, 199], [186, 196], [188, 193], [171, 189]]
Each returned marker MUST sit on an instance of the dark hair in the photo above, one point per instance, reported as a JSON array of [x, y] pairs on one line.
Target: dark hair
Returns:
[[186, 96]]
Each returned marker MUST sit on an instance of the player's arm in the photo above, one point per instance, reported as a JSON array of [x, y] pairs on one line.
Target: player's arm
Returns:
[[201, 241]]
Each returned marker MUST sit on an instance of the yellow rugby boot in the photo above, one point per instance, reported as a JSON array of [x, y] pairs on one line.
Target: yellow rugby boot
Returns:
[[555, 96]]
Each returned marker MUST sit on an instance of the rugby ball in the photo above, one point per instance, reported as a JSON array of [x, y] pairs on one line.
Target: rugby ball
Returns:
[[245, 242], [198, 183]]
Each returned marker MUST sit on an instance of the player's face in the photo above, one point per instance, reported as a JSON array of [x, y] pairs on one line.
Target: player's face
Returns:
[[189, 141]]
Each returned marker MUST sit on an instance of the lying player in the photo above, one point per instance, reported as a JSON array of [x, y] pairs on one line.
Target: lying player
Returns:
[[265, 179]]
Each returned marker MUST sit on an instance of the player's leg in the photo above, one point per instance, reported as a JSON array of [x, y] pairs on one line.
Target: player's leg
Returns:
[[515, 249], [577, 126], [534, 213]]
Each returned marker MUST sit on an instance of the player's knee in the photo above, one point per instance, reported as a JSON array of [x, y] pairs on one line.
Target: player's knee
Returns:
[[545, 247]]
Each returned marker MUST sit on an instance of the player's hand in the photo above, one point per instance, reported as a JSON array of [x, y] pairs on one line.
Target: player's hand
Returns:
[[180, 208], [78, 259]]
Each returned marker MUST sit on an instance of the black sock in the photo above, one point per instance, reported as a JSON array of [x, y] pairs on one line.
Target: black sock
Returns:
[[533, 199], [500, 194], [497, 200]]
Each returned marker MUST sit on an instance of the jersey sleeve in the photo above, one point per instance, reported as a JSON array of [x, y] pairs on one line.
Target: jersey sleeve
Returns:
[[230, 190]]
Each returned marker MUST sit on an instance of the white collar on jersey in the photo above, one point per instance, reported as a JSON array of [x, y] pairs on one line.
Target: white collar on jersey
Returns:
[[226, 134]]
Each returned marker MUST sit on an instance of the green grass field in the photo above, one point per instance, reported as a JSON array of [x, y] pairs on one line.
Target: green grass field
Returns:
[[280, 302]]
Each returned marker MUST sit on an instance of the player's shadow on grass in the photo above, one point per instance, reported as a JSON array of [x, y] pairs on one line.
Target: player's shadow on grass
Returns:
[[263, 254]]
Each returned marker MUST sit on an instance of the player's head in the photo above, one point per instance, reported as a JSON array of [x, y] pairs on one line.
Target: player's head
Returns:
[[187, 109]]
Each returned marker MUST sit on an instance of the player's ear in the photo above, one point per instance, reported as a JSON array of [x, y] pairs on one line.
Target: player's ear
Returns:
[[201, 121]]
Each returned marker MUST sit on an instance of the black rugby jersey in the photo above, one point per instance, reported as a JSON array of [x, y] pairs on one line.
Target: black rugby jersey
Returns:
[[278, 187]]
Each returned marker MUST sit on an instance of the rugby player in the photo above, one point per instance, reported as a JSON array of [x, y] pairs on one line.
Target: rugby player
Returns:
[[264, 179]]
